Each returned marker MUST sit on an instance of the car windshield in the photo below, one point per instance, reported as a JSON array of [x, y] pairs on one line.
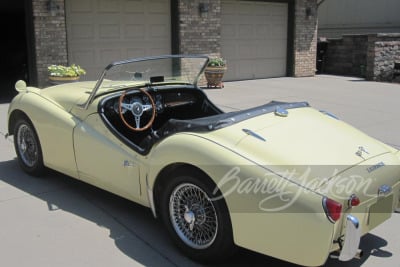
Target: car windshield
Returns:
[[163, 70]]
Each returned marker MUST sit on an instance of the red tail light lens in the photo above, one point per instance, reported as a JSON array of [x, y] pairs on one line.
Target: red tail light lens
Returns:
[[354, 201], [333, 209]]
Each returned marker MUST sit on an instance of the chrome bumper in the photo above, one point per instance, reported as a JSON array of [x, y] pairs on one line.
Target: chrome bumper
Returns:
[[351, 239]]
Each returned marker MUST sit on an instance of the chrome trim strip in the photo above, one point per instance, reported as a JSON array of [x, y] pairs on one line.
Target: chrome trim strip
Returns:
[[251, 133], [326, 209], [151, 198]]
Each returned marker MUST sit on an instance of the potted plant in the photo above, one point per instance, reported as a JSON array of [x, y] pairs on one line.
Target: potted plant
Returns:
[[214, 72], [61, 74]]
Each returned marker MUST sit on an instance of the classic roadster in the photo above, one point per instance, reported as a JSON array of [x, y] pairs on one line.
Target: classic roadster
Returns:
[[282, 179]]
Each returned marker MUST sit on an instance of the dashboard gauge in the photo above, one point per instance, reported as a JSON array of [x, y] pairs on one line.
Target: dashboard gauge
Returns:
[[116, 108], [159, 105]]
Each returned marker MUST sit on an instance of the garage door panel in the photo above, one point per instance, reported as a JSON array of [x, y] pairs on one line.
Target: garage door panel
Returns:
[[82, 6], [159, 31], [135, 31], [135, 52], [109, 31], [134, 7], [102, 31], [228, 31], [246, 69], [263, 30], [247, 51], [254, 39], [82, 31], [109, 6], [158, 7], [86, 55], [278, 10], [245, 31], [109, 55]]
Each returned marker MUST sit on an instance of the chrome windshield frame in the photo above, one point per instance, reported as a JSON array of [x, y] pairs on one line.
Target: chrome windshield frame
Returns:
[[133, 60]]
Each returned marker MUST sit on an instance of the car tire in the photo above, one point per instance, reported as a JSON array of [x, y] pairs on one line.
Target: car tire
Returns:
[[188, 212], [28, 149]]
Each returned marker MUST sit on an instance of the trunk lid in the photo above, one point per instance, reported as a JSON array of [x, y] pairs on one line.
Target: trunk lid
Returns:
[[307, 146]]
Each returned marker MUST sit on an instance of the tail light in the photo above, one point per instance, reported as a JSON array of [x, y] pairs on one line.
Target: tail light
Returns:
[[354, 201], [333, 209]]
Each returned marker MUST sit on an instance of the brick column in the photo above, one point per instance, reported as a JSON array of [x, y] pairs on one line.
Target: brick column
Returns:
[[199, 33], [50, 37], [305, 38]]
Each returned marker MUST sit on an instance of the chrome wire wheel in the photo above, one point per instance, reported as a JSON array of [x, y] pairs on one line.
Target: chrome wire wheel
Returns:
[[27, 145], [193, 216]]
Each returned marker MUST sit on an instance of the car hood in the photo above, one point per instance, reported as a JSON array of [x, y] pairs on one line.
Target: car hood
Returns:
[[69, 94], [307, 145]]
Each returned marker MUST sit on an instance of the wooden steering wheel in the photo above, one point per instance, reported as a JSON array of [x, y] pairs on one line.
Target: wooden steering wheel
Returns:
[[137, 109]]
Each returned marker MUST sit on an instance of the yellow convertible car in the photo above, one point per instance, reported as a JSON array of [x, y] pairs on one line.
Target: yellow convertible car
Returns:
[[282, 179]]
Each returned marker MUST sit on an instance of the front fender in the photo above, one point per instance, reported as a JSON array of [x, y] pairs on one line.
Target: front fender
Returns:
[[53, 126]]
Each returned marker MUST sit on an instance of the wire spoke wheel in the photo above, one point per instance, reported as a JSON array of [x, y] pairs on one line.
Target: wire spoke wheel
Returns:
[[28, 149], [27, 145], [193, 216]]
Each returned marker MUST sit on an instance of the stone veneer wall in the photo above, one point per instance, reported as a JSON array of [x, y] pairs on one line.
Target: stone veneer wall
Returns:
[[50, 37], [371, 56], [383, 52], [305, 38]]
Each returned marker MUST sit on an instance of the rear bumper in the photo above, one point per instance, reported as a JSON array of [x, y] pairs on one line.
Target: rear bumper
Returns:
[[352, 239]]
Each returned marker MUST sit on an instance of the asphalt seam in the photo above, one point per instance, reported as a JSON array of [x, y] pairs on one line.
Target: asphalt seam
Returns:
[[34, 194]]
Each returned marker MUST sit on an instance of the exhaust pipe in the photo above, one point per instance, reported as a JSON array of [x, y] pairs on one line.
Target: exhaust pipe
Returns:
[[359, 254]]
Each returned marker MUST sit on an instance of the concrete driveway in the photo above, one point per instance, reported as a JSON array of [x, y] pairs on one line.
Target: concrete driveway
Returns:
[[58, 221]]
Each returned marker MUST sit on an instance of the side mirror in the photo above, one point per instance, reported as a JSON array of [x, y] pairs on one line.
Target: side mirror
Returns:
[[20, 86]]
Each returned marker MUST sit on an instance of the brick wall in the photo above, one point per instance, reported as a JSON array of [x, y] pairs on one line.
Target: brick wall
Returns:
[[347, 56], [199, 33], [305, 38], [50, 37], [196, 33]]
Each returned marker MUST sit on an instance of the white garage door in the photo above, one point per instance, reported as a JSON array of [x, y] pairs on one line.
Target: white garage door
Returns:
[[102, 31], [254, 39]]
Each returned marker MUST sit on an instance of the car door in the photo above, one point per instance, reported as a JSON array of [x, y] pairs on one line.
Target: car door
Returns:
[[104, 161]]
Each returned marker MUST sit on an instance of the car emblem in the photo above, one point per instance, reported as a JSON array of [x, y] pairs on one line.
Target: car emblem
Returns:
[[375, 167], [384, 190], [360, 152]]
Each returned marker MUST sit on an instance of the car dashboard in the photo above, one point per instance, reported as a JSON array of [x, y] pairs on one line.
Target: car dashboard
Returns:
[[175, 103]]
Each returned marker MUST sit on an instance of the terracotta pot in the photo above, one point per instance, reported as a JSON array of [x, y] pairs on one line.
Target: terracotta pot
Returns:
[[61, 80], [214, 76]]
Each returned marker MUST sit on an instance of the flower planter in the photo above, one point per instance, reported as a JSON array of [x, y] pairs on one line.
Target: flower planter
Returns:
[[214, 76], [61, 80]]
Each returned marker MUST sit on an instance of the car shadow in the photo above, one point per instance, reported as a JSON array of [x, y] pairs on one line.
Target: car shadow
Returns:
[[371, 245], [131, 226]]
